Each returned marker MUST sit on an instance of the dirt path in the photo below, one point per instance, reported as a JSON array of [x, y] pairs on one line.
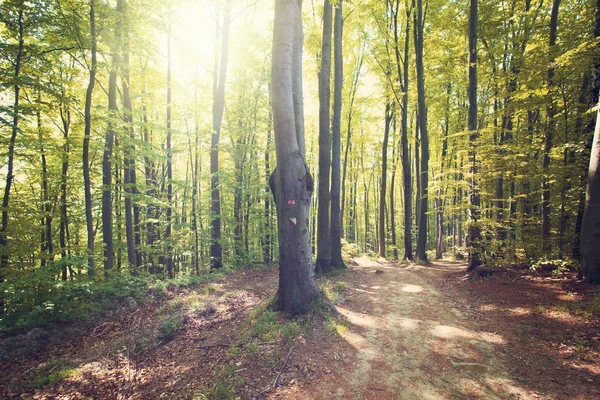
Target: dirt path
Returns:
[[411, 341]]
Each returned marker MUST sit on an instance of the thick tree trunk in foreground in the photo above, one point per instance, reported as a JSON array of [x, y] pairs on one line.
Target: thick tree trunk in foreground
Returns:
[[474, 232], [323, 231], [590, 229], [590, 222], [216, 250], [336, 216], [291, 182]]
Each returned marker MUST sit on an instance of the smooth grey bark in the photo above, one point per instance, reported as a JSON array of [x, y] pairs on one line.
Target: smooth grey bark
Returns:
[[89, 221], [216, 249], [291, 183], [323, 228], [422, 123], [590, 229], [336, 216], [474, 231]]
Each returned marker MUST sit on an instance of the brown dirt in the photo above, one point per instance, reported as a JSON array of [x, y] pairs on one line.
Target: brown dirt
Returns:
[[408, 332]]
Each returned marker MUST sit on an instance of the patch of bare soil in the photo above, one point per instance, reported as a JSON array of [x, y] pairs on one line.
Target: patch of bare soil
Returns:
[[406, 332]]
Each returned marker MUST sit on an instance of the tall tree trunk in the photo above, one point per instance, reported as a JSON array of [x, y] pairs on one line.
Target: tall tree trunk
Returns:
[[590, 229], [440, 245], [65, 116], [395, 159], [132, 212], [422, 122], [474, 231], [336, 216], [107, 187], [267, 245], [323, 229], [383, 187], [590, 217], [86, 146], [216, 250], [4, 260], [47, 245], [169, 149], [550, 128], [354, 88], [291, 182]]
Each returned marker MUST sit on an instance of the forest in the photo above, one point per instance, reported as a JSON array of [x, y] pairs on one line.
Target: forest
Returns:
[[152, 146]]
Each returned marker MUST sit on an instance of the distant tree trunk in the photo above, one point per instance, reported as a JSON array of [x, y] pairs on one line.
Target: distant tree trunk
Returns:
[[440, 245], [107, 187], [169, 149], [291, 182], [86, 146], [267, 244], [216, 250], [395, 159], [549, 135], [47, 245], [354, 88], [132, 212], [383, 187], [151, 186], [65, 116], [422, 123], [336, 216], [406, 170], [323, 229], [474, 231]]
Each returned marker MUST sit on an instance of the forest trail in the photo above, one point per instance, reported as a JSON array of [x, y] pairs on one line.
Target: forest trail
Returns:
[[417, 336], [412, 343], [406, 331]]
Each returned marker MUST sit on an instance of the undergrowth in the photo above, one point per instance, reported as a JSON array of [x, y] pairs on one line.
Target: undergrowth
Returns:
[[32, 301]]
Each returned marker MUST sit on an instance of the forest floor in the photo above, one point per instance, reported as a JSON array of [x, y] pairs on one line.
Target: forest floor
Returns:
[[406, 331]]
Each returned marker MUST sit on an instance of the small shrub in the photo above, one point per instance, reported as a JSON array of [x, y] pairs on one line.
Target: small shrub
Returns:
[[167, 328]]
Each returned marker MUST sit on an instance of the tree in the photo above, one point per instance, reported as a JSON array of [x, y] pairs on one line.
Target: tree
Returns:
[[323, 229], [590, 229], [422, 127], [291, 182], [216, 250], [590, 225], [336, 216], [474, 232], [86, 144], [550, 130]]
